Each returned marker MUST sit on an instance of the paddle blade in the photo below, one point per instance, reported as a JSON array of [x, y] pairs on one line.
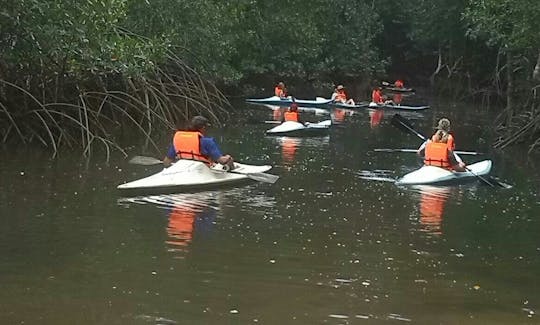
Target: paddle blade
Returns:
[[145, 161], [263, 177]]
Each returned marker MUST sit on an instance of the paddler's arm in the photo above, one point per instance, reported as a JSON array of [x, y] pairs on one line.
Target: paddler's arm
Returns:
[[169, 157], [210, 148], [420, 150], [458, 165]]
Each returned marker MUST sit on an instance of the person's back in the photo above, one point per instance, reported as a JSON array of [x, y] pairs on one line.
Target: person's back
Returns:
[[292, 114], [194, 144], [436, 152], [376, 96]]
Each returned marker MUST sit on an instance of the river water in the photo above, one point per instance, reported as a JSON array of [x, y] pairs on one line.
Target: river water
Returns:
[[332, 242]]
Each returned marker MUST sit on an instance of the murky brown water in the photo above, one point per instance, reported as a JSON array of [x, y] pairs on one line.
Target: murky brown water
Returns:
[[321, 246]]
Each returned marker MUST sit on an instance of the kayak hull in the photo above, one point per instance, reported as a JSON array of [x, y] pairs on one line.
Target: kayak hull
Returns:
[[275, 100], [186, 175], [399, 90], [297, 129], [398, 107], [436, 175]]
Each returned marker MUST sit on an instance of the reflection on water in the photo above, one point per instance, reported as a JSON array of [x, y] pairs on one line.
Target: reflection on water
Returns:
[[340, 115], [432, 201], [193, 215], [375, 117], [288, 149], [290, 146], [187, 213]]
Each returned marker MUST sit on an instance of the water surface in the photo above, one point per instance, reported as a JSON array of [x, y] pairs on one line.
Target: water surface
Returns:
[[323, 245]]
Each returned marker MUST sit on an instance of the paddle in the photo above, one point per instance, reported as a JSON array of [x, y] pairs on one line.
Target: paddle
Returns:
[[415, 150], [408, 126], [261, 177]]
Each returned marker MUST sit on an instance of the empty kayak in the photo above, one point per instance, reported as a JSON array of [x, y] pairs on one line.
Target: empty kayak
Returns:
[[292, 128], [275, 100], [401, 107], [437, 175], [190, 174]]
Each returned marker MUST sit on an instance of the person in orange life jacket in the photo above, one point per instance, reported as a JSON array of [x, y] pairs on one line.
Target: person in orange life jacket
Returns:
[[339, 96], [292, 114], [444, 125], [280, 90], [378, 98], [398, 84], [194, 144], [436, 153]]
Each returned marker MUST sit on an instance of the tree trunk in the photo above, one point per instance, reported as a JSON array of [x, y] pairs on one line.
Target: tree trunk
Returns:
[[536, 72]]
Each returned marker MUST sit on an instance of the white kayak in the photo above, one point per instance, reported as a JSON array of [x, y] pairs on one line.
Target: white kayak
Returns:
[[401, 107], [436, 175], [190, 174], [292, 128], [275, 100]]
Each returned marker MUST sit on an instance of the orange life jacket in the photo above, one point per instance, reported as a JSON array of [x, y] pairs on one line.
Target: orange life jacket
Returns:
[[376, 96], [340, 96], [188, 145], [437, 155], [291, 116], [450, 143]]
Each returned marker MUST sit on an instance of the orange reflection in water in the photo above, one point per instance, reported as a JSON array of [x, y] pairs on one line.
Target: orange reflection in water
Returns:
[[397, 98], [278, 113], [375, 117], [432, 203], [180, 227], [339, 115], [288, 149]]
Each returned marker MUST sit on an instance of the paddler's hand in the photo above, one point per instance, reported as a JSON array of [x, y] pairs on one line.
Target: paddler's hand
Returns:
[[167, 162], [226, 160], [462, 165]]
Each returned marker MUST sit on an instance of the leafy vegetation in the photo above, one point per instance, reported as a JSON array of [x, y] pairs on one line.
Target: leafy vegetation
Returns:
[[76, 73]]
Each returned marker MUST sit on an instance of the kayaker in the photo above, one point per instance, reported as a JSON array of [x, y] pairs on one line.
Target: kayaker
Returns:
[[437, 153], [280, 90], [292, 114], [399, 83], [194, 144], [444, 125], [378, 98], [340, 96]]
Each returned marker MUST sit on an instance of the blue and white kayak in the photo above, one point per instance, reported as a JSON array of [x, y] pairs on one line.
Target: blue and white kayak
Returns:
[[399, 107], [399, 90], [292, 128], [275, 100], [189, 174], [437, 175], [333, 104]]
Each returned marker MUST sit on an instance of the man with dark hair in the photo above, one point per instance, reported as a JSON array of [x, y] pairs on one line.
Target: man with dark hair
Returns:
[[195, 145]]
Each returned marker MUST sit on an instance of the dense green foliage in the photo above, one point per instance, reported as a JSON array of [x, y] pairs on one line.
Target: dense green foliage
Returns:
[[86, 65]]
